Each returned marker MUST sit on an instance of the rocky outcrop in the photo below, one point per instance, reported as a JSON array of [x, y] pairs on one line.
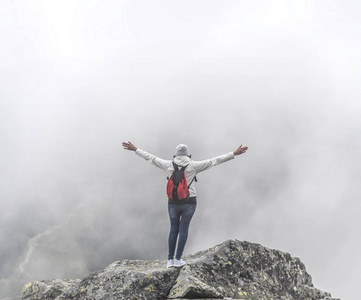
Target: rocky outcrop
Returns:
[[231, 270]]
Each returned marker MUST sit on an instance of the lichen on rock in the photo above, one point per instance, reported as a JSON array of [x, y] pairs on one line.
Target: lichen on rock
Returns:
[[231, 270], [47, 289]]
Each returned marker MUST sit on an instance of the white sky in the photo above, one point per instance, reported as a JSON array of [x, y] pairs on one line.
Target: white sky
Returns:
[[282, 77]]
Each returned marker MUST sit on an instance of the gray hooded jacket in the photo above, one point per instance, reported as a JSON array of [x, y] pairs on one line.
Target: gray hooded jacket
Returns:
[[194, 167]]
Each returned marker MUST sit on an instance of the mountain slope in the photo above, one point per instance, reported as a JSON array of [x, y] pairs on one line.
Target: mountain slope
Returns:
[[233, 270]]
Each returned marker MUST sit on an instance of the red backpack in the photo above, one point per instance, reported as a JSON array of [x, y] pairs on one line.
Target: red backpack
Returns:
[[177, 188]]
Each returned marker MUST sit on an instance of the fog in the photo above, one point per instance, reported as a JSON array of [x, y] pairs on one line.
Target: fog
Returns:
[[78, 78]]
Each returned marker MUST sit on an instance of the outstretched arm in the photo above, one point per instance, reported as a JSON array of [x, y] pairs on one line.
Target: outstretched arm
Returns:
[[129, 146], [203, 165], [156, 161], [240, 150]]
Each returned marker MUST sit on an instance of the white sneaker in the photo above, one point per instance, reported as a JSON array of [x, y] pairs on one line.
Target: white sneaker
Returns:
[[179, 263], [170, 263]]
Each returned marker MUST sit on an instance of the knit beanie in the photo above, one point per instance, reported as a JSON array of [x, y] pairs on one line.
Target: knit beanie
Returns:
[[181, 150]]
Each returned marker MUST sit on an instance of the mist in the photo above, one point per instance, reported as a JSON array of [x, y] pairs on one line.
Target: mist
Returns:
[[80, 77]]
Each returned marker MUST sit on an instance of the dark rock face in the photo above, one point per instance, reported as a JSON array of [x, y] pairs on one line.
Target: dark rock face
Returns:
[[231, 270]]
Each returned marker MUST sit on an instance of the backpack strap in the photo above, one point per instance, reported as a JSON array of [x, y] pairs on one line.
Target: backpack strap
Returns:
[[175, 166], [194, 178]]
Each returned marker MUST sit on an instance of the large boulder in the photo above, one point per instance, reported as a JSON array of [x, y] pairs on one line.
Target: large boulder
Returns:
[[231, 270]]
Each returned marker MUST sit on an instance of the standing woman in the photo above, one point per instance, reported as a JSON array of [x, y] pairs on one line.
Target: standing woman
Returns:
[[181, 211]]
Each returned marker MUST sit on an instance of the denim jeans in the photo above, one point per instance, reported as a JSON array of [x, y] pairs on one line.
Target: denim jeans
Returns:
[[180, 216]]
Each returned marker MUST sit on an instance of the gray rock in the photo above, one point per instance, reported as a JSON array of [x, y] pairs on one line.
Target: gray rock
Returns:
[[47, 289], [231, 270]]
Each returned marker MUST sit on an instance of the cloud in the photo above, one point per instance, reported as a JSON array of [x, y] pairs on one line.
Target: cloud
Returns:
[[274, 77]]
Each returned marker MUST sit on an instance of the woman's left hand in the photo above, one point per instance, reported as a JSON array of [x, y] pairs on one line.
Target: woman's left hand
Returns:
[[129, 146]]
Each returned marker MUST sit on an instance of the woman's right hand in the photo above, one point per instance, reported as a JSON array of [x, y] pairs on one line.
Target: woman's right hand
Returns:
[[240, 150]]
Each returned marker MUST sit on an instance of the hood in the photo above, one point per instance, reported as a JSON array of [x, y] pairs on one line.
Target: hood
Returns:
[[182, 160]]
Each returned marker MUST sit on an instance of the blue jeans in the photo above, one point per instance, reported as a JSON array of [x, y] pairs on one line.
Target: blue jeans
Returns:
[[180, 216]]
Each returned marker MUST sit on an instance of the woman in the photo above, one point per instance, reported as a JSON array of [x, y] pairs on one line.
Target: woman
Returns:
[[181, 211]]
